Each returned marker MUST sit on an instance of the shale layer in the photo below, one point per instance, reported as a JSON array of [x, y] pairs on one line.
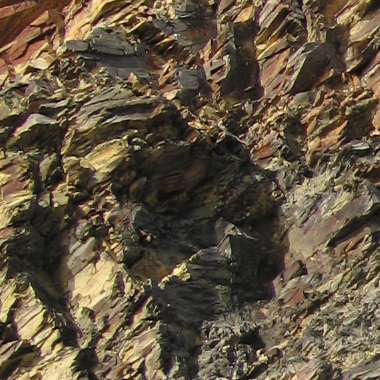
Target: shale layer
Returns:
[[189, 189]]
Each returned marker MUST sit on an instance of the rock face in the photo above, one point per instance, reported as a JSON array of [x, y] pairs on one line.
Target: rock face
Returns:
[[189, 190]]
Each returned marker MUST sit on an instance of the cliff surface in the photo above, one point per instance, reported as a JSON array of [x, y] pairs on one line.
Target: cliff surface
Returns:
[[189, 189]]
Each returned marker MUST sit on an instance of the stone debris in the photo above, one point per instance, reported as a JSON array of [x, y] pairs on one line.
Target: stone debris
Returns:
[[189, 190]]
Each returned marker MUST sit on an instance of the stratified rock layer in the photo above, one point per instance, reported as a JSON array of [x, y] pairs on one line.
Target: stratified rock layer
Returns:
[[189, 189]]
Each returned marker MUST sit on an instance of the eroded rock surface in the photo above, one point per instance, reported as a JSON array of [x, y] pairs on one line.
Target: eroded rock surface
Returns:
[[189, 189]]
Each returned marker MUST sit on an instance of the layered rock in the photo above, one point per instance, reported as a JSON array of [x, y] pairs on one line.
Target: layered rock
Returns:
[[189, 190]]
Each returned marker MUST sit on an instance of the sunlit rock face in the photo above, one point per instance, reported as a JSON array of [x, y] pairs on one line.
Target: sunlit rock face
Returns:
[[189, 190]]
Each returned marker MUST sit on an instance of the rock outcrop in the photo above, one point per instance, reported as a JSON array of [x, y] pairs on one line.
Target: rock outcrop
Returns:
[[189, 189]]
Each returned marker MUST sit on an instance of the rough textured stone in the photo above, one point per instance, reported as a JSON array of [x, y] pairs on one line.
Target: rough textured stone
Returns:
[[189, 189]]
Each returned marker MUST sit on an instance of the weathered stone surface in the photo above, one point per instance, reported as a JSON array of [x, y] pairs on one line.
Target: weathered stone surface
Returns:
[[189, 189]]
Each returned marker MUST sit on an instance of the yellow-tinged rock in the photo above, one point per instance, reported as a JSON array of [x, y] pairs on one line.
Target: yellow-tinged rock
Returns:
[[61, 367], [51, 344], [99, 7], [8, 300], [246, 15], [14, 207], [181, 272], [16, 190], [32, 326], [93, 283], [105, 158], [267, 50], [43, 61]]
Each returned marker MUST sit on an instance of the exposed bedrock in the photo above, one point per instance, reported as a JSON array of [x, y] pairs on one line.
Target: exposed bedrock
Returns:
[[189, 190]]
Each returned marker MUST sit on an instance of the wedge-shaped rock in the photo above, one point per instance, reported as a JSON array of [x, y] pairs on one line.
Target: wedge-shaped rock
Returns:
[[37, 130], [335, 214], [106, 158], [17, 197], [309, 64]]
